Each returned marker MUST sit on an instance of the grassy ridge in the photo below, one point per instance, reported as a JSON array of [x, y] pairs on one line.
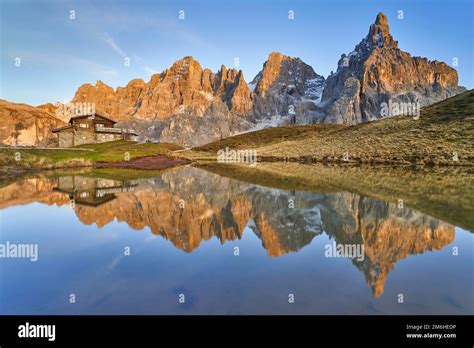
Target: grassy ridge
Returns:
[[119, 174], [268, 136], [443, 135]]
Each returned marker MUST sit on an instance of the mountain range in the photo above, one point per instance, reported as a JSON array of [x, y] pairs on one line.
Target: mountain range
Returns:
[[190, 105]]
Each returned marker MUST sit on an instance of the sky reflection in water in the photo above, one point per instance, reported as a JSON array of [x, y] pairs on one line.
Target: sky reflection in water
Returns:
[[191, 250]]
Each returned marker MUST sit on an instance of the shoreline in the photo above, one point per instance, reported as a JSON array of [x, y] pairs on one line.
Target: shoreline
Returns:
[[422, 188], [146, 163], [159, 162]]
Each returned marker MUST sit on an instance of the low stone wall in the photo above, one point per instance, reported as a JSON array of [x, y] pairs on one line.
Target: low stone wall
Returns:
[[84, 137], [66, 139]]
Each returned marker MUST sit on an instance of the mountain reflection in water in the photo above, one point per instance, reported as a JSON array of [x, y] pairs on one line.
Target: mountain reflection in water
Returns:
[[188, 206]]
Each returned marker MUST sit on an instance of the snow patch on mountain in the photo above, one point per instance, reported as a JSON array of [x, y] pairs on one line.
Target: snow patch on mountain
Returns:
[[314, 90]]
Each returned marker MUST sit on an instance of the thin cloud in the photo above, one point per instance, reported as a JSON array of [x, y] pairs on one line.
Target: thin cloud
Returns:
[[69, 62], [111, 42], [140, 21]]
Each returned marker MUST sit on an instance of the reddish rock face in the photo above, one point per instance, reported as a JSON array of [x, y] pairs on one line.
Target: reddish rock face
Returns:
[[183, 88], [102, 95], [25, 125], [184, 104], [378, 71], [240, 100], [194, 105], [286, 86], [270, 72], [48, 107]]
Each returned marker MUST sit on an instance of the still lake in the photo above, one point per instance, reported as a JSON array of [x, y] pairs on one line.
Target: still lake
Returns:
[[193, 242]]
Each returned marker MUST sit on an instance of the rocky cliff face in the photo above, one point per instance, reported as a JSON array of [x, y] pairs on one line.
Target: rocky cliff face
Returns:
[[25, 125], [190, 105], [286, 86], [185, 103], [186, 88], [378, 72]]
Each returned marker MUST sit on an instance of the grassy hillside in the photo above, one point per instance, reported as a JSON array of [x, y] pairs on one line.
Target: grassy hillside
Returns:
[[84, 155], [269, 136], [444, 134]]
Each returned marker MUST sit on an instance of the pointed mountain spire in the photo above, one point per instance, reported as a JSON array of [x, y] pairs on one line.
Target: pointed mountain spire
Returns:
[[382, 21], [379, 33]]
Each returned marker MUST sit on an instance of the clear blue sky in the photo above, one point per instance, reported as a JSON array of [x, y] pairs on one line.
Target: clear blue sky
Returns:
[[59, 54]]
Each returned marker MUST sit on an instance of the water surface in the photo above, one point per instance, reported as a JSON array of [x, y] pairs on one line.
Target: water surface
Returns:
[[137, 246]]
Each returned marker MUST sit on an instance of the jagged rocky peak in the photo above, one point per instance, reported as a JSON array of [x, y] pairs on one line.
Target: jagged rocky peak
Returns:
[[271, 70], [100, 94], [100, 86], [284, 88], [240, 100], [224, 81], [378, 72], [134, 86], [186, 71], [280, 71], [135, 83], [382, 21], [154, 79], [379, 33], [186, 66], [379, 37], [227, 74]]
